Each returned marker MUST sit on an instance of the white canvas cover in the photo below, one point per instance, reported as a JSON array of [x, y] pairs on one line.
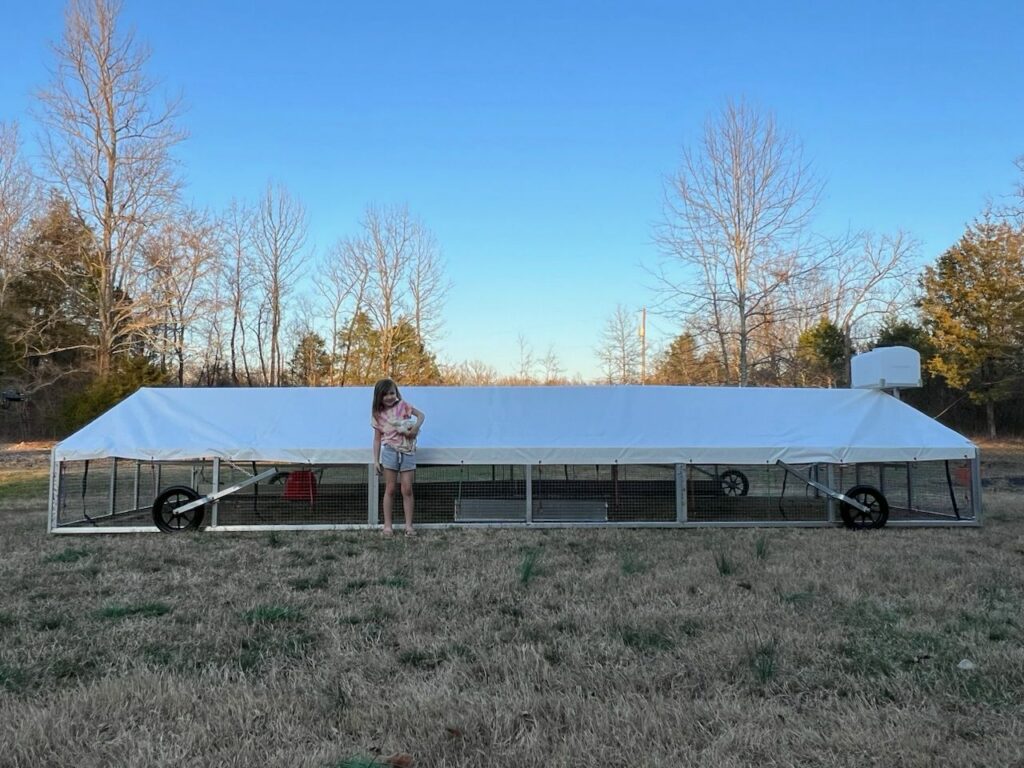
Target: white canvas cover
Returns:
[[523, 425]]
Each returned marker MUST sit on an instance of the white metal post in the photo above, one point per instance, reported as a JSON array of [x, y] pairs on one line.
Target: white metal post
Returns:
[[910, 487], [138, 481], [682, 512], [528, 470], [54, 490], [113, 488], [830, 480], [976, 487], [372, 493], [215, 511]]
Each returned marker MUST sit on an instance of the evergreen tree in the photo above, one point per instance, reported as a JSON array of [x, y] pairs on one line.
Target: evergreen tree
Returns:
[[46, 324], [310, 363], [361, 354], [821, 355], [973, 304], [682, 363]]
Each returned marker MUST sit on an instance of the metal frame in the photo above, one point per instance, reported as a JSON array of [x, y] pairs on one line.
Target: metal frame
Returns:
[[682, 514]]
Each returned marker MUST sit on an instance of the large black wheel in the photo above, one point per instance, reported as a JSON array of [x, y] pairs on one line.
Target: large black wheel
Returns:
[[169, 521], [872, 498], [734, 483]]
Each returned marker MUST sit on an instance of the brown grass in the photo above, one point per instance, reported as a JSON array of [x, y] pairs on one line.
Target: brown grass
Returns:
[[515, 648]]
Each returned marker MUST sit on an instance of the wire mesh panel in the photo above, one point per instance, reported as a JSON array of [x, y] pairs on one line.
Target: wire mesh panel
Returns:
[[765, 493], [916, 491], [463, 494], [118, 492], [294, 495], [597, 493], [84, 494], [108, 493]]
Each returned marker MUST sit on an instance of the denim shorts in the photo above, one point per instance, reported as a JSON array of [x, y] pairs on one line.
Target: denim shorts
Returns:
[[399, 462]]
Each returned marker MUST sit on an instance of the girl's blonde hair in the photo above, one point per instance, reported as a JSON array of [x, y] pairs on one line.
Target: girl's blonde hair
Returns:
[[380, 389]]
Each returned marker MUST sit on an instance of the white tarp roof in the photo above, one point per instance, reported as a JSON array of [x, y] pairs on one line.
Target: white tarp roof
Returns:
[[523, 425]]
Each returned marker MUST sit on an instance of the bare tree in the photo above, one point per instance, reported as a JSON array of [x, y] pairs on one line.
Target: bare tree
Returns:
[[473, 373], [619, 350], [18, 202], [406, 282], [184, 254], [108, 150], [211, 331], [279, 239], [344, 289], [865, 279], [552, 367], [239, 273], [526, 362], [428, 285], [734, 220]]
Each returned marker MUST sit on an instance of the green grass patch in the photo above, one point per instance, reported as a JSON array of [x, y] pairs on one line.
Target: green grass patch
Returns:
[[51, 622], [512, 610], [688, 627], [265, 647], [528, 568], [375, 614], [23, 484], [69, 555], [646, 639], [355, 585], [631, 564], [270, 614], [763, 659], [13, 678], [890, 649], [565, 626], [867, 613], [307, 583], [124, 611], [90, 571], [724, 563], [761, 547], [72, 667], [358, 761], [300, 559], [418, 658], [800, 599], [159, 655]]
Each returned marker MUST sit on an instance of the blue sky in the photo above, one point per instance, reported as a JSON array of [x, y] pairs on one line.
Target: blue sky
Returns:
[[533, 137]]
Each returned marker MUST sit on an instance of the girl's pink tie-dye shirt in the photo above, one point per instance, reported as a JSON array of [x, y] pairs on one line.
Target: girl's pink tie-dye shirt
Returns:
[[388, 422]]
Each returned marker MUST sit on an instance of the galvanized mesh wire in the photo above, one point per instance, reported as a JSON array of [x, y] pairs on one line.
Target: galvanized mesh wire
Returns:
[[121, 493]]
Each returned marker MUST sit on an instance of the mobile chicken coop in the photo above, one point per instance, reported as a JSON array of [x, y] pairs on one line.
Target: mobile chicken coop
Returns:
[[257, 459]]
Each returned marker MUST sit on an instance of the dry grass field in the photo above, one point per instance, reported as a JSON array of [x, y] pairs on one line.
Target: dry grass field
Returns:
[[597, 647]]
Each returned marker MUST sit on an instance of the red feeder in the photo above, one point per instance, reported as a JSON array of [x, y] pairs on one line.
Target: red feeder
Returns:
[[300, 486]]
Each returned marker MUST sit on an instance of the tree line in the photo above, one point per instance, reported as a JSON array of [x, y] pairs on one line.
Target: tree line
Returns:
[[109, 280]]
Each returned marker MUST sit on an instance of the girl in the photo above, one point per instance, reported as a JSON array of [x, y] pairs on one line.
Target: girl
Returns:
[[395, 426]]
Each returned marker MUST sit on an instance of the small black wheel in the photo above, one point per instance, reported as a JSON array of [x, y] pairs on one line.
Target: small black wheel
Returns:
[[872, 498], [734, 483], [169, 521]]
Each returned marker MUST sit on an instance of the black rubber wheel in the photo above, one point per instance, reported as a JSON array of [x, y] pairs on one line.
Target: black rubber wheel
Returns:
[[167, 520], [872, 498], [734, 483]]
